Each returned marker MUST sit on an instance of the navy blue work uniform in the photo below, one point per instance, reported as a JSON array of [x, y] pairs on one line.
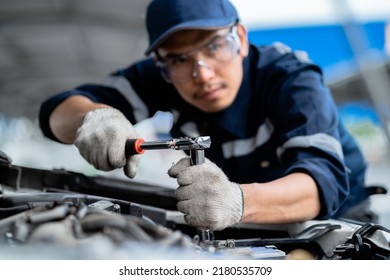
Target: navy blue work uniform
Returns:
[[282, 121]]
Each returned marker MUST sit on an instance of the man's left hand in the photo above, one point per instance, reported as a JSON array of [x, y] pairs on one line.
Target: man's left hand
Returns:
[[206, 196]]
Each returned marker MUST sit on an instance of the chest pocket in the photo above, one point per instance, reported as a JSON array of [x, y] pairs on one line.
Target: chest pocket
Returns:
[[262, 165]]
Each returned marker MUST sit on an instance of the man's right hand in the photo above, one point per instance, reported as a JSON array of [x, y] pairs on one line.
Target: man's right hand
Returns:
[[101, 140]]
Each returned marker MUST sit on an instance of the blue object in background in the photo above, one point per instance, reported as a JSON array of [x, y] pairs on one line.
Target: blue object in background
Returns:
[[327, 45], [355, 112]]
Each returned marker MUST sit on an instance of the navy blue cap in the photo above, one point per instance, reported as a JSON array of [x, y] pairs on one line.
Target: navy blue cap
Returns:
[[165, 17]]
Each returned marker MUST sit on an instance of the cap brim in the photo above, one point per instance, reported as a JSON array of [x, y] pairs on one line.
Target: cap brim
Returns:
[[197, 24]]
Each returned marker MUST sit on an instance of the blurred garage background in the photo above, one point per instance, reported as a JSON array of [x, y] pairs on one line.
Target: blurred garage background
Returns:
[[47, 46]]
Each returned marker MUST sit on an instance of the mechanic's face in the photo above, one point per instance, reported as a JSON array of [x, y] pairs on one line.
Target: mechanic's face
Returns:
[[205, 66]]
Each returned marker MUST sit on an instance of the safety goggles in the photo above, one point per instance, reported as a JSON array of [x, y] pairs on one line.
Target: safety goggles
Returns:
[[215, 54]]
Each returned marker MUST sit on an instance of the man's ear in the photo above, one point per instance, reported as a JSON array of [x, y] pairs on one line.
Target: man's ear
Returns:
[[243, 36], [155, 57]]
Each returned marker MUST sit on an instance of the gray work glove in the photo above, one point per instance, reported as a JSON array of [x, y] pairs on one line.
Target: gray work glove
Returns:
[[101, 140], [206, 196]]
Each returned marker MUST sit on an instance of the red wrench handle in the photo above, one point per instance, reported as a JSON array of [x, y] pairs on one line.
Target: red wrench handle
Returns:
[[133, 147]]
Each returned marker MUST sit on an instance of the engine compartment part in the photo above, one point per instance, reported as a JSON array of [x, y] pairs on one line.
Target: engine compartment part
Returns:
[[57, 214]]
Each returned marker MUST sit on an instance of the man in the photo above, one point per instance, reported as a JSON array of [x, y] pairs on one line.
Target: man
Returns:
[[279, 153]]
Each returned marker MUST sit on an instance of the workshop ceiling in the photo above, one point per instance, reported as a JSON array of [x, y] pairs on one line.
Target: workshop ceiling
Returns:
[[47, 46]]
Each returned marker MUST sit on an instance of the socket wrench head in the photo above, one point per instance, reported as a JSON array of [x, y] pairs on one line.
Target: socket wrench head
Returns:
[[188, 143]]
